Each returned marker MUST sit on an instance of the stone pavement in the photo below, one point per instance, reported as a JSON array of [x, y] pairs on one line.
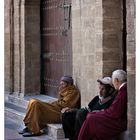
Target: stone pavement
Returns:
[[11, 131]]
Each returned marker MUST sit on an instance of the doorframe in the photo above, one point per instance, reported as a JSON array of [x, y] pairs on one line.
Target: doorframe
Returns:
[[124, 36], [42, 90]]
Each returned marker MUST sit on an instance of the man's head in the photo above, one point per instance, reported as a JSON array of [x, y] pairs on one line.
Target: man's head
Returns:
[[118, 77], [65, 81], [105, 87]]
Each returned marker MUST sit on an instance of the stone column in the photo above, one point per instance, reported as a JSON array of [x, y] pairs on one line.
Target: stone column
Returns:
[[32, 47], [112, 36], [87, 46], [22, 34], [131, 49], [22, 47], [9, 44], [17, 47]]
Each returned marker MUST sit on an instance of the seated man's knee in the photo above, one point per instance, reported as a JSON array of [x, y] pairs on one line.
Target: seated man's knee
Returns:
[[63, 115], [89, 117], [80, 113], [33, 102]]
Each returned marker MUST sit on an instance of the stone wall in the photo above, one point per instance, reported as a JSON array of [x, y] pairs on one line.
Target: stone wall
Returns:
[[86, 43], [97, 43], [112, 36], [130, 6]]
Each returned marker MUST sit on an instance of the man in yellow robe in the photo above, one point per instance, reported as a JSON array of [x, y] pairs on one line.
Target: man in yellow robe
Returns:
[[40, 113]]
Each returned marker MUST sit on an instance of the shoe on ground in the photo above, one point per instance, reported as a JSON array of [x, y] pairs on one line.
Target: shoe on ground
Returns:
[[25, 130], [30, 134]]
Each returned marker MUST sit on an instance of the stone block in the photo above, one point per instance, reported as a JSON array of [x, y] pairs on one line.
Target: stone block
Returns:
[[55, 131], [110, 55], [112, 3], [112, 12], [110, 40], [130, 25], [76, 13], [130, 5], [131, 47], [98, 57], [131, 63], [98, 25], [112, 25], [98, 11], [98, 41]]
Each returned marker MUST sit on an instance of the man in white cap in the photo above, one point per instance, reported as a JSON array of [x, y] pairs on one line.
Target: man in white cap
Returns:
[[40, 113], [72, 119]]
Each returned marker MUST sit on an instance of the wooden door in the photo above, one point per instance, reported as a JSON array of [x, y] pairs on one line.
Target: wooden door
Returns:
[[56, 43]]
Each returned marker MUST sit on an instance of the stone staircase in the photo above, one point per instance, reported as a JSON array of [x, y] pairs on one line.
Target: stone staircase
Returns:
[[15, 108]]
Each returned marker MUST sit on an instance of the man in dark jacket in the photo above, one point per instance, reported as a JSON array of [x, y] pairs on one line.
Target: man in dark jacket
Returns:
[[72, 119]]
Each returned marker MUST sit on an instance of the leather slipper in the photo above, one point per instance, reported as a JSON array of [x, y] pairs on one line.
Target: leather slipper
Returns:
[[30, 134]]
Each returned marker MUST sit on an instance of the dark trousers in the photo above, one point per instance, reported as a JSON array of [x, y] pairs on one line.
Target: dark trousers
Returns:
[[72, 122]]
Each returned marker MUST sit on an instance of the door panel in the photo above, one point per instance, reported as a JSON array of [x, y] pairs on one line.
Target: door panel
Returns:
[[56, 43]]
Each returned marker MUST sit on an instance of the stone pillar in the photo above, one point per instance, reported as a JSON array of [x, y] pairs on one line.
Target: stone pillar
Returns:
[[87, 46], [22, 47], [9, 46], [17, 47], [130, 7], [32, 47], [22, 28], [112, 36]]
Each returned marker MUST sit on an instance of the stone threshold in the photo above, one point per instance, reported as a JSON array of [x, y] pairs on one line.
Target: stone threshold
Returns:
[[23, 101]]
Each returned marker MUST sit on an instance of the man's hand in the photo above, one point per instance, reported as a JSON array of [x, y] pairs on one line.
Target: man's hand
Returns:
[[66, 109]]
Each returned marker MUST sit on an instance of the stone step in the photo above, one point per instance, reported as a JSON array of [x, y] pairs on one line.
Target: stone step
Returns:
[[14, 112], [55, 131], [23, 102], [17, 113]]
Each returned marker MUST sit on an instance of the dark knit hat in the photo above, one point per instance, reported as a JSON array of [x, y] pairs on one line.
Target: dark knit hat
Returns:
[[67, 79]]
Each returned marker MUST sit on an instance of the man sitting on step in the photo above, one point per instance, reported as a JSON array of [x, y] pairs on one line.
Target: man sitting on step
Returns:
[[40, 113], [72, 119]]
